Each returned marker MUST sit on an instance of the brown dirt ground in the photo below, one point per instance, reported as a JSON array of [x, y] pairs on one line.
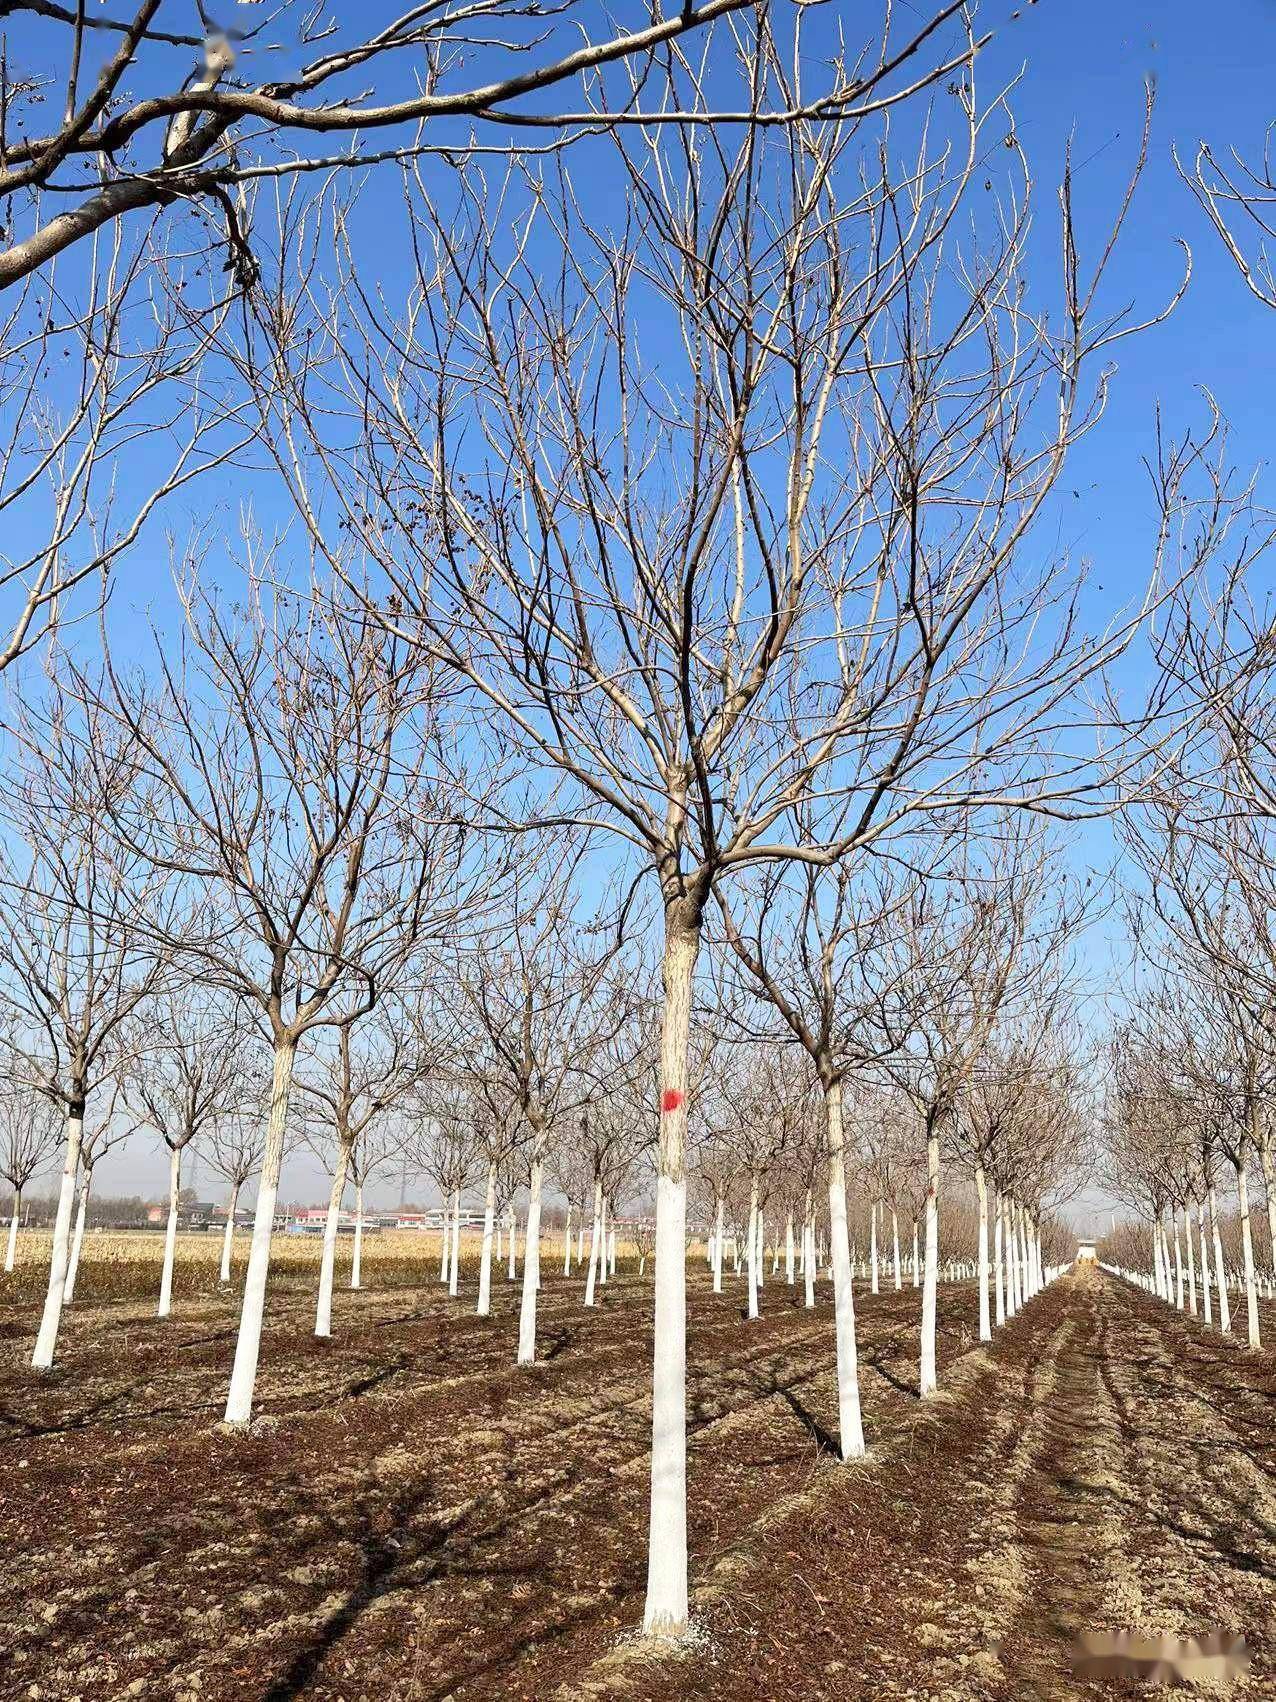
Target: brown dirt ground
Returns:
[[416, 1519]]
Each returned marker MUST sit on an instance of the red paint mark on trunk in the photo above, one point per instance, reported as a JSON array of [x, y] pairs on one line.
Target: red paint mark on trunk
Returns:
[[670, 1099]]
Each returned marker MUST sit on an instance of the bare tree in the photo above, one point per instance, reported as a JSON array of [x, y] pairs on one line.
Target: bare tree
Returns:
[[763, 566], [75, 959], [297, 790], [103, 1136], [183, 1086], [30, 1134], [234, 1149]]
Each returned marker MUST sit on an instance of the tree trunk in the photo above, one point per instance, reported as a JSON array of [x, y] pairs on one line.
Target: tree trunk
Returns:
[[917, 1263], [243, 1377], [927, 1380], [1220, 1269], [899, 1279], [595, 1245], [985, 1324], [1178, 1260], [1206, 1301], [754, 1257], [666, 1606], [872, 1246], [1269, 1190], [454, 1272], [761, 1233], [999, 1260], [602, 1238], [717, 1246], [356, 1257], [512, 1268], [1191, 1259], [47, 1339], [567, 1241], [611, 1245], [850, 1423], [808, 1258], [1247, 1247], [170, 1233], [485, 1261], [12, 1249], [531, 1260], [446, 1247], [228, 1239], [82, 1212], [328, 1264]]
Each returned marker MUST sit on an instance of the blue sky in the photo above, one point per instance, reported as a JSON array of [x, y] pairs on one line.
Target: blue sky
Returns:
[[1083, 66]]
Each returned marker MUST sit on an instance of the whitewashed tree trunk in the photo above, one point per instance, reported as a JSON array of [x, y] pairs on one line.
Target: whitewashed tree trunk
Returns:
[[1247, 1247], [899, 1275], [77, 1244], [1207, 1302], [1178, 1260], [595, 1245], [331, 1224], [927, 1379], [717, 1246], [531, 1261], [808, 1260], [485, 1260], [243, 1377], [611, 1246], [454, 1270], [1269, 1191], [1220, 1269], [666, 1606], [981, 1187], [602, 1239], [850, 1422], [567, 1241], [11, 1251], [917, 1263], [872, 1246], [755, 1257], [170, 1233], [356, 1257], [1190, 1238], [512, 1269], [228, 1239], [999, 1262], [445, 1248], [761, 1231], [580, 1238], [47, 1338]]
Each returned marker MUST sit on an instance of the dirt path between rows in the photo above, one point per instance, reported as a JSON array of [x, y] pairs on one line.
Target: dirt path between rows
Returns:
[[1107, 1466]]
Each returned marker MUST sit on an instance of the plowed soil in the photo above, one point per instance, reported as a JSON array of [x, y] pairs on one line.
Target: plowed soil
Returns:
[[414, 1518]]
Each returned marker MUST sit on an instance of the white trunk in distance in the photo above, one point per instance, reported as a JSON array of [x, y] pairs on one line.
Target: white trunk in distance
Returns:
[[1269, 1191], [580, 1237], [454, 1270], [11, 1252], [602, 1238], [717, 1247], [665, 1613], [850, 1422], [999, 1262], [77, 1241], [1247, 1247], [1189, 1238], [228, 1238], [328, 1263], [611, 1246], [927, 1379], [47, 1339], [446, 1246], [243, 1377], [170, 1233], [1206, 1300], [567, 1241], [917, 1263], [1178, 1261], [595, 1245], [755, 1258], [899, 1279], [808, 1261], [531, 1261], [484, 1306], [761, 1249], [981, 1187], [356, 1257], [872, 1246], [512, 1270]]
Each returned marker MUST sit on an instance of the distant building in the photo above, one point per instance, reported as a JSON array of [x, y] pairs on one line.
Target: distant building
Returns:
[[1086, 1254]]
